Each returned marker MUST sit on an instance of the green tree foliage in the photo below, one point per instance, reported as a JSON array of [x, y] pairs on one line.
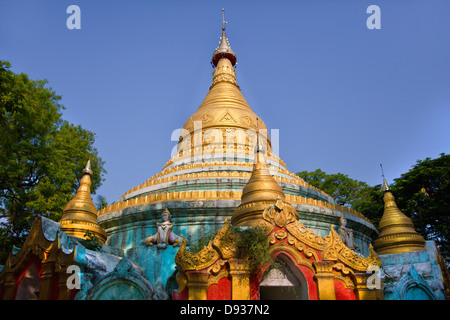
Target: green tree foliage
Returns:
[[348, 192], [100, 202], [370, 203], [41, 156], [340, 187], [423, 193]]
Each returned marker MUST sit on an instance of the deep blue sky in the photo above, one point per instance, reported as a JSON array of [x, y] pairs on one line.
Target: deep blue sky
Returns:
[[345, 98]]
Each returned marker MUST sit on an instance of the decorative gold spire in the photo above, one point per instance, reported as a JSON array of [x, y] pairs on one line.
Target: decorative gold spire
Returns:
[[224, 49], [397, 233], [260, 191], [80, 215], [224, 108]]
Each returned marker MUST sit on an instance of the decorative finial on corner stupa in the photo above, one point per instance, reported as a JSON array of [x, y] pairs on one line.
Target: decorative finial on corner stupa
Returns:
[[223, 19], [385, 184], [87, 169]]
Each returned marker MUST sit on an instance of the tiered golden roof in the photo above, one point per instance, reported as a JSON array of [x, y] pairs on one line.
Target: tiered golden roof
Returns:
[[397, 233], [80, 214]]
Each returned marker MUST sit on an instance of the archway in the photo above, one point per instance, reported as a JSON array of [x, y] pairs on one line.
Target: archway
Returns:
[[283, 281], [29, 286]]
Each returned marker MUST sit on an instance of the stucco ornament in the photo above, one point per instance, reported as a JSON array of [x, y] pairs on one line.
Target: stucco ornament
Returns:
[[347, 234], [165, 235]]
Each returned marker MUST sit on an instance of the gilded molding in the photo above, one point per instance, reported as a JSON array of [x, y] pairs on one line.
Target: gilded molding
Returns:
[[159, 178], [188, 261], [336, 250]]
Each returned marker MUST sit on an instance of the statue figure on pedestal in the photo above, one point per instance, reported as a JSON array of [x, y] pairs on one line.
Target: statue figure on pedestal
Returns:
[[347, 234], [164, 236]]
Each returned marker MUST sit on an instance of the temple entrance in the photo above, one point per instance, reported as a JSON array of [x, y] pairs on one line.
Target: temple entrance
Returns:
[[29, 286], [283, 281]]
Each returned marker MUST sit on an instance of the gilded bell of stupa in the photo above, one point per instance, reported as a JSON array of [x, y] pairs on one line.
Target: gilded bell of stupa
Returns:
[[260, 192], [80, 214], [397, 233]]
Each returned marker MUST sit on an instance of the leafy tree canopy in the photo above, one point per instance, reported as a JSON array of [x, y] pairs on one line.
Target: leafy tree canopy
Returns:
[[340, 187], [41, 156], [422, 193]]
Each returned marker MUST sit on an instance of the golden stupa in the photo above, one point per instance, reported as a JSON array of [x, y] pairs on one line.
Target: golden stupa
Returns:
[[397, 233], [260, 191], [80, 214], [214, 170], [224, 123]]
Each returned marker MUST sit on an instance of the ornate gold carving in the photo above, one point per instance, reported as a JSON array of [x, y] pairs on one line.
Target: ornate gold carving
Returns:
[[280, 234], [305, 235], [336, 250], [224, 242], [294, 179], [301, 247], [332, 247], [196, 261], [299, 259], [247, 120], [280, 214], [206, 118], [217, 267], [227, 118]]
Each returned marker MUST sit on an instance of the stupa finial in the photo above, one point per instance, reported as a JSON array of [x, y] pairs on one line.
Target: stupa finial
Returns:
[[87, 169], [224, 49], [385, 184], [223, 19]]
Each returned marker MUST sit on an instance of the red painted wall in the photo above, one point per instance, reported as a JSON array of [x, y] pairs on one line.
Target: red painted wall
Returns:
[[342, 293], [219, 291]]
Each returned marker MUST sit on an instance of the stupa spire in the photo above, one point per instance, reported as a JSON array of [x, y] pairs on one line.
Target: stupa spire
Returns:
[[385, 184], [224, 49], [224, 108], [80, 214], [397, 232]]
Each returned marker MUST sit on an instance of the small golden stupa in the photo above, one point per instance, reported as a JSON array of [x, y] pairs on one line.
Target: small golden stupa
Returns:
[[80, 214], [260, 191], [397, 233]]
